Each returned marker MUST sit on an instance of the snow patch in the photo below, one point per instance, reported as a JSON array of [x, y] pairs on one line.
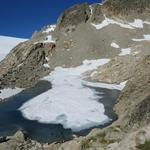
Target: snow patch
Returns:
[[105, 85], [47, 59], [125, 51], [146, 38], [49, 39], [147, 22], [136, 52], [93, 73], [113, 44], [138, 40], [46, 65], [6, 93], [91, 9], [138, 23], [51, 28], [69, 102], [100, 26], [20, 65], [108, 21]]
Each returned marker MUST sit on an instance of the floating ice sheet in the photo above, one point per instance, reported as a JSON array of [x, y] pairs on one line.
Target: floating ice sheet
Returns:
[[69, 102]]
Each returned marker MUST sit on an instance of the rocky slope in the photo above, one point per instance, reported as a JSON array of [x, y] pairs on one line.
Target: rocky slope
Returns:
[[75, 34], [113, 30]]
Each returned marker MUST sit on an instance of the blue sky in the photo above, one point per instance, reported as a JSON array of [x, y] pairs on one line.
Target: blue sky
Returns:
[[20, 18]]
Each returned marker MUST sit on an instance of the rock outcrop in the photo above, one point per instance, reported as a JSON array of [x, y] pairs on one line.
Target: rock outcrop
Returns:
[[19, 141], [24, 65], [74, 16], [129, 9]]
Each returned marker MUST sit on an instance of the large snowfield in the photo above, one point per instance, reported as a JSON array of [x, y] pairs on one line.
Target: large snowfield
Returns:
[[7, 43]]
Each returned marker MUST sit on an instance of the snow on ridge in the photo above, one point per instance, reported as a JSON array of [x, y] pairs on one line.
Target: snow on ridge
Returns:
[[7, 44], [69, 102], [108, 21], [51, 28], [8, 92], [146, 38], [49, 38], [113, 44], [125, 51], [138, 23]]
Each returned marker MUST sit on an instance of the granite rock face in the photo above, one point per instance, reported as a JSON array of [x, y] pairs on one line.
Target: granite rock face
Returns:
[[96, 13], [74, 16], [133, 102], [24, 65]]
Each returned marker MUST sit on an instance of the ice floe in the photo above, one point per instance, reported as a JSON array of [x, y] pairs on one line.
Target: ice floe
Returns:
[[69, 102]]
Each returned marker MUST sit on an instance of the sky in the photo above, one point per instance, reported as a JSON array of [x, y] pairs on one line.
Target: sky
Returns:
[[20, 18]]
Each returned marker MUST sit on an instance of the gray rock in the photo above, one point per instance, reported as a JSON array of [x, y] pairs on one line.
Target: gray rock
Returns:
[[19, 142], [74, 16]]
